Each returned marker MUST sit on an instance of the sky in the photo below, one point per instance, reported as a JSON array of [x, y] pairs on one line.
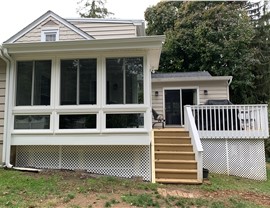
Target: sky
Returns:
[[17, 14]]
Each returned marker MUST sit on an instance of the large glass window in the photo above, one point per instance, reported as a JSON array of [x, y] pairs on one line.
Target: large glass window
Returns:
[[32, 122], [78, 81], [131, 120], [33, 83], [77, 121], [124, 78]]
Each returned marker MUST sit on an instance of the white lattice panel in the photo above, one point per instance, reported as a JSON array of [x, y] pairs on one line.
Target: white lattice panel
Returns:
[[38, 155], [244, 157], [122, 161], [247, 158], [214, 156]]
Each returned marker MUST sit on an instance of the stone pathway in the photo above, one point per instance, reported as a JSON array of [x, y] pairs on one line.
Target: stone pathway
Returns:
[[177, 193]]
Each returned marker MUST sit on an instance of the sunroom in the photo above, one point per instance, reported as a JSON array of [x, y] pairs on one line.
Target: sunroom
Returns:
[[81, 105]]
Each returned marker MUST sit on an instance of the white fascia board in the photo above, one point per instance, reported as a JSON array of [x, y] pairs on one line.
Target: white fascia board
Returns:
[[40, 20], [81, 139], [189, 79], [142, 42]]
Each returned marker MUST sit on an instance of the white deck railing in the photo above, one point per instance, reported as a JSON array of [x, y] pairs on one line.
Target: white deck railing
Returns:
[[195, 140], [231, 121]]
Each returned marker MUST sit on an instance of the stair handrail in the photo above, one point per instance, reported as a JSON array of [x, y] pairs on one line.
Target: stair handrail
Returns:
[[190, 126]]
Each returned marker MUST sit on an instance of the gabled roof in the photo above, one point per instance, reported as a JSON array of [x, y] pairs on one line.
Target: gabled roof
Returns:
[[43, 18]]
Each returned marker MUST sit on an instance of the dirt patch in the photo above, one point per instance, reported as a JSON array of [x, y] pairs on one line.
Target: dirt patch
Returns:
[[260, 199], [111, 194]]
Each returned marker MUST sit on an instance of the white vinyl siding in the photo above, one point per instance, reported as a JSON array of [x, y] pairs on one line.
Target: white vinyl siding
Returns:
[[101, 30], [34, 35], [2, 101], [107, 30]]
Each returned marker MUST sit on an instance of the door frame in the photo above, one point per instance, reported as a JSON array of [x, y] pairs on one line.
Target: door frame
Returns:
[[178, 88]]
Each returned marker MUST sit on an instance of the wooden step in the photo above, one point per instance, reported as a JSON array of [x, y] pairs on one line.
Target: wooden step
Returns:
[[176, 164], [176, 173], [174, 147], [172, 140], [178, 181], [165, 132], [167, 155]]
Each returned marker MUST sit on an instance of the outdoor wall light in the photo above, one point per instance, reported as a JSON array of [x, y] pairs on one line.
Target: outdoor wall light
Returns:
[[205, 92], [156, 93]]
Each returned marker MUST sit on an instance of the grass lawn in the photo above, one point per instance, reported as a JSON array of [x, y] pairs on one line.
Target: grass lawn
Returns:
[[79, 189]]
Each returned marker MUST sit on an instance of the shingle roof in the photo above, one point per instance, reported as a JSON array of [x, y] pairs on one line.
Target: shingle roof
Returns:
[[182, 74]]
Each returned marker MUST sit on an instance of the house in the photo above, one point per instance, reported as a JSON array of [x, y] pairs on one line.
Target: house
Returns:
[[77, 95], [172, 91]]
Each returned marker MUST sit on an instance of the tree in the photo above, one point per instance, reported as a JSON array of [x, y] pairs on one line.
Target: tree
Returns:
[[161, 17], [260, 18], [208, 36], [93, 9]]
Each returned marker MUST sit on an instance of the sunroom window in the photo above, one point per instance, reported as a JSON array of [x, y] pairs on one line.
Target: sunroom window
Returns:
[[78, 81], [78, 121], [124, 79], [33, 83], [128, 120], [32, 122]]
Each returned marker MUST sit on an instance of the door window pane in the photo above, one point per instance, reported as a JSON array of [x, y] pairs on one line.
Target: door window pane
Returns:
[[24, 83], [88, 81], [172, 103], [134, 80], [78, 121], [131, 120], [124, 78], [114, 75], [32, 122], [42, 82], [69, 82], [78, 82]]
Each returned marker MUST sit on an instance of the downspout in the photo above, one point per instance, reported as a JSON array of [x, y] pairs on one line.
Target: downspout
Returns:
[[6, 134], [228, 89]]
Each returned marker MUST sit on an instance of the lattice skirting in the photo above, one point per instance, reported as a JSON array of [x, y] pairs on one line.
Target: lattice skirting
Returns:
[[122, 161], [244, 157]]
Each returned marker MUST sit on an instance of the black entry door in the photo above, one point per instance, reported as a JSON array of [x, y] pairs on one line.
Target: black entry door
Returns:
[[175, 100], [172, 107]]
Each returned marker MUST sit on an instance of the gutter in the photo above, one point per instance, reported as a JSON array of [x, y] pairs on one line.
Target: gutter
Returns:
[[138, 43], [189, 79]]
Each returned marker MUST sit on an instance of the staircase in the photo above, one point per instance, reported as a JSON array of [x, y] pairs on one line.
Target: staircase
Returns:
[[174, 157]]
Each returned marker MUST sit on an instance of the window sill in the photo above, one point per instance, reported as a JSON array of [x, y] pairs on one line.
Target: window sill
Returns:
[[32, 131]]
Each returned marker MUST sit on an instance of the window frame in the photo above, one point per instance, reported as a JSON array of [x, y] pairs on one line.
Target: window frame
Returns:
[[100, 108], [49, 31], [81, 131], [124, 80], [32, 83], [78, 84], [32, 131]]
